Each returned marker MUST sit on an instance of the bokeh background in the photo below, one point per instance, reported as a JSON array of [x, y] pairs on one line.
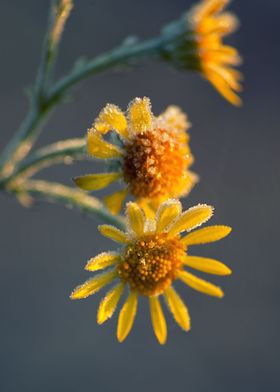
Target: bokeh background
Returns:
[[49, 343]]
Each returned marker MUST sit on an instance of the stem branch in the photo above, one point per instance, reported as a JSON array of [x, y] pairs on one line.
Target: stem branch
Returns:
[[72, 198]]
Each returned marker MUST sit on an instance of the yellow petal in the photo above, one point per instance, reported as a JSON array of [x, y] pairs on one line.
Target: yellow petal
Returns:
[[111, 118], [200, 285], [113, 233], [136, 220], [167, 212], [191, 218], [207, 234], [94, 182], [173, 117], [140, 115], [99, 148], [92, 285], [102, 261], [177, 308], [127, 316], [230, 76], [158, 320], [226, 23], [114, 202], [145, 204], [209, 8], [209, 266], [190, 180], [109, 303], [224, 89], [223, 57]]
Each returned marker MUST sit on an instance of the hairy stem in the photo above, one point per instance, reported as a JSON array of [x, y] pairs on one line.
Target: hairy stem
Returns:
[[64, 151], [70, 197], [22, 142], [115, 57]]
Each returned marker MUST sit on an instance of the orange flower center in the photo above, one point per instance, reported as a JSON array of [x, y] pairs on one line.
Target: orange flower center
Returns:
[[155, 163], [149, 265]]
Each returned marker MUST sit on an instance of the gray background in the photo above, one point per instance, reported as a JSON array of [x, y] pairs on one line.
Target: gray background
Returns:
[[49, 343]]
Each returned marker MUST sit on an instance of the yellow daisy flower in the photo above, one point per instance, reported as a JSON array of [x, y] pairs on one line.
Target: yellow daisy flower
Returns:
[[210, 25], [153, 159], [154, 253], [197, 43]]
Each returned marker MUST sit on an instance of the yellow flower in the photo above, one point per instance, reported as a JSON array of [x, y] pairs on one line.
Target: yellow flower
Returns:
[[210, 25], [154, 253], [196, 42], [153, 159]]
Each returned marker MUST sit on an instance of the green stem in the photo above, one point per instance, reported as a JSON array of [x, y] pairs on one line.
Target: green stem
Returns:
[[20, 145], [70, 197], [105, 61], [64, 151], [22, 142]]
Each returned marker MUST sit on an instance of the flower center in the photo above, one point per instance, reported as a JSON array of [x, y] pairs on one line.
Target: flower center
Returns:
[[155, 163], [149, 264]]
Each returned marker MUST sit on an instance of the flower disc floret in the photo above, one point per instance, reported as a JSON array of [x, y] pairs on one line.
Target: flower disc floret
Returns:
[[150, 264], [155, 163]]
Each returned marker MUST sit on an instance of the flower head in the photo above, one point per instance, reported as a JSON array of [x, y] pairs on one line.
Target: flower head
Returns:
[[154, 253], [153, 157], [198, 44]]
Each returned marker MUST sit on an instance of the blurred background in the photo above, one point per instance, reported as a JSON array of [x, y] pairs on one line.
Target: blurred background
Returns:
[[49, 343]]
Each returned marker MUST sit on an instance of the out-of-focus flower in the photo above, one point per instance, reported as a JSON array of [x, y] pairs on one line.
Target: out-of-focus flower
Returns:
[[153, 157], [154, 253], [196, 42]]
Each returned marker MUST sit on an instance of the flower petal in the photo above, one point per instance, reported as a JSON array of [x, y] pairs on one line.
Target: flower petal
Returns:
[[189, 181], [209, 266], [167, 212], [145, 204], [99, 148], [230, 76], [109, 303], [113, 233], [200, 285], [207, 234], [191, 218], [94, 182], [111, 118], [177, 308], [158, 320], [208, 8], [136, 219], [127, 316], [140, 114], [174, 118], [101, 261], [93, 285], [114, 202], [224, 88], [226, 23]]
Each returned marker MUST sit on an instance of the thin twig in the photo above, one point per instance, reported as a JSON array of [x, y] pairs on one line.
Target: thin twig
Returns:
[[64, 151], [115, 57], [70, 197], [40, 107]]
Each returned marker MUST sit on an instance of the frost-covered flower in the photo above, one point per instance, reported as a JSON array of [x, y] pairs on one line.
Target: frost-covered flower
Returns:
[[153, 157], [154, 253], [196, 42]]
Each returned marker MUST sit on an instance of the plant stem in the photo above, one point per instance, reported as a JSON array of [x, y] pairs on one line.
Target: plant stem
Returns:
[[60, 152], [115, 57], [22, 142], [41, 106], [72, 198]]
